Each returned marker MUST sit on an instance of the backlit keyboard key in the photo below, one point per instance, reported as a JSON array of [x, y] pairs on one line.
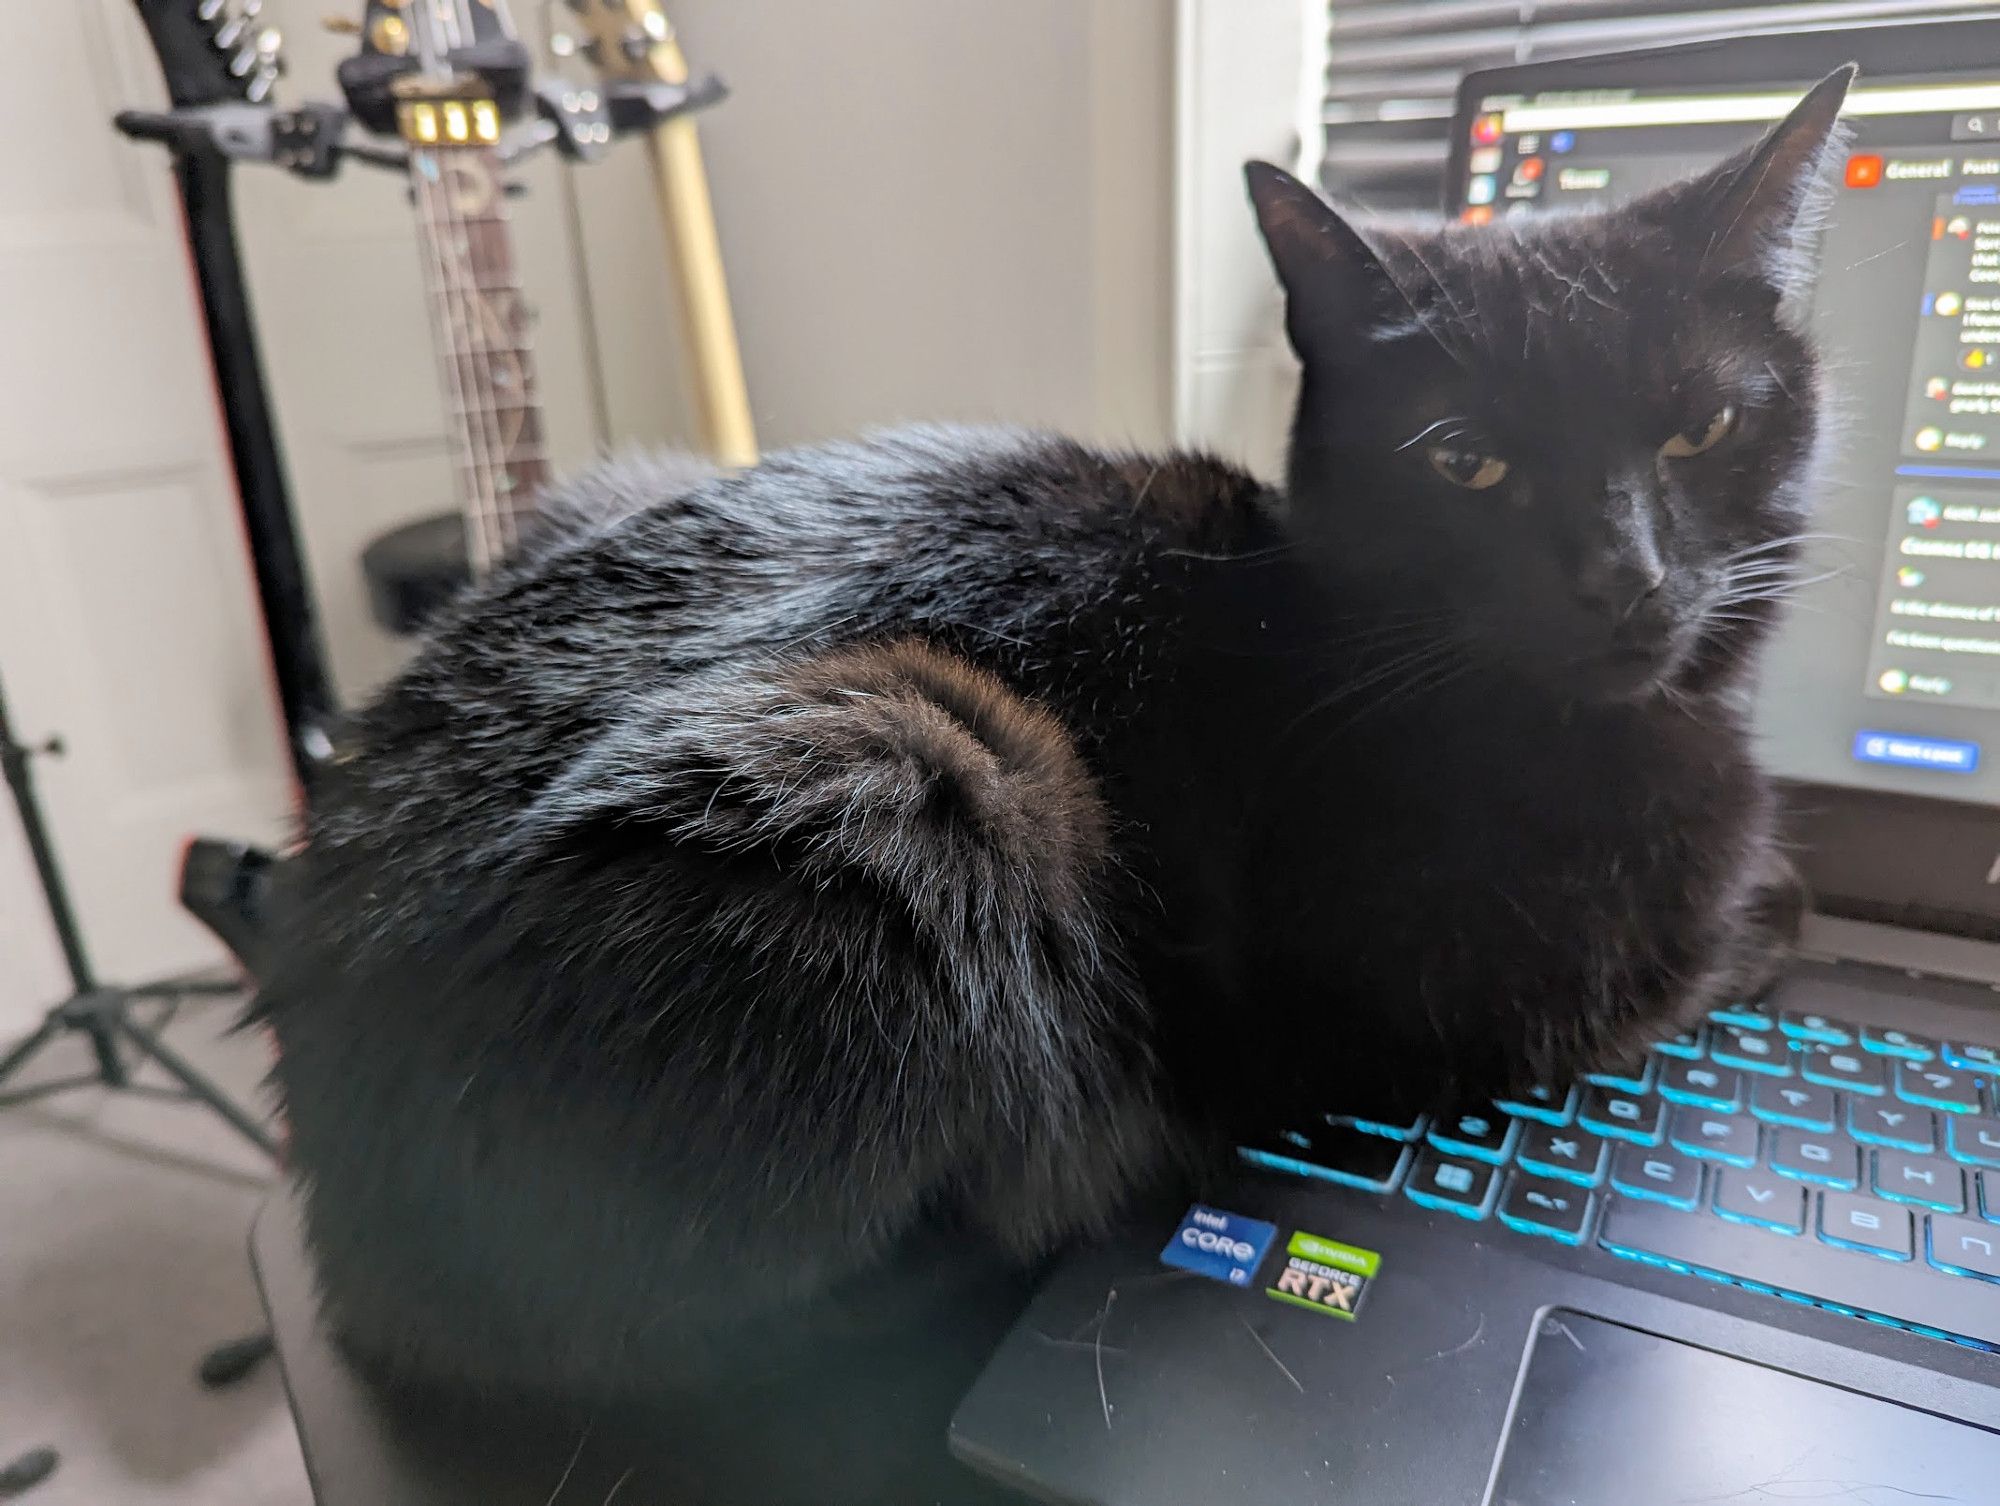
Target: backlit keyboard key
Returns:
[[1803, 1026], [1907, 1292], [1751, 1051], [1620, 1115], [1709, 1136], [1758, 1197], [1635, 1077], [1866, 1224], [1749, 1016], [1400, 1128], [1989, 1195], [1453, 1184], [1564, 1152], [1702, 1084], [1803, 1105], [1545, 1105], [1688, 1045], [1962, 1247], [1332, 1153], [1656, 1175], [1484, 1134], [1891, 1122], [1830, 1160], [1846, 1067], [1973, 1141], [1555, 1210], [1901, 1043], [1927, 1181], [1972, 1058], [1937, 1088]]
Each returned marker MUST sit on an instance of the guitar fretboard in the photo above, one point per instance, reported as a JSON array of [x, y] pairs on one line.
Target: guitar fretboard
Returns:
[[482, 325]]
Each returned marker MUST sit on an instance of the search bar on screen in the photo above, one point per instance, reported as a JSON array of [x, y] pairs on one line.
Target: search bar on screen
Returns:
[[1726, 109]]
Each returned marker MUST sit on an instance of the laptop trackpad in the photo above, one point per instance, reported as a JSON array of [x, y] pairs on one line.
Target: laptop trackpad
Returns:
[[1608, 1413]]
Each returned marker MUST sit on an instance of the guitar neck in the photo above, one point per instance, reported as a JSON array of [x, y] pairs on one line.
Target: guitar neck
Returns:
[[481, 323]]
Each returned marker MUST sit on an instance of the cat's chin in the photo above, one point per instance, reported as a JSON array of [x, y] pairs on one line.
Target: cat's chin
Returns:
[[1626, 677]]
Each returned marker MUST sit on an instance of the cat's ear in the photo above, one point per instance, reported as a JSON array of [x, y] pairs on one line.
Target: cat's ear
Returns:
[[1335, 285], [1755, 216]]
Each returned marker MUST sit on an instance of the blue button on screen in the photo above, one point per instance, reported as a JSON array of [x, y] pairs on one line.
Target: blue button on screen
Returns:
[[1916, 752]]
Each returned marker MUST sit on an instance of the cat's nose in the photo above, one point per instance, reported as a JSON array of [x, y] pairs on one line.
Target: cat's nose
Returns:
[[1617, 590]]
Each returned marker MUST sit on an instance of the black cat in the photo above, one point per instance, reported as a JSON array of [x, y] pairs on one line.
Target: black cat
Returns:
[[764, 921]]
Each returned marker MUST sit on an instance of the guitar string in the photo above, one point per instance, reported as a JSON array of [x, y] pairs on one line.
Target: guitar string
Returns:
[[425, 170], [480, 165], [435, 228], [496, 473], [481, 413], [483, 321]]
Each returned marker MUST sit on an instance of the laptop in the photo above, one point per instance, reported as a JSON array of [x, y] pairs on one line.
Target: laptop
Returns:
[[1766, 1266]]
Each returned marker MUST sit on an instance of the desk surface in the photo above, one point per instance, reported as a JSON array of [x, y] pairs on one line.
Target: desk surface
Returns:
[[358, 1454], [361, 1452]]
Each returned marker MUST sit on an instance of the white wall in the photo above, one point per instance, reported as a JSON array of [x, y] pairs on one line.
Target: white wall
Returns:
[[1234, 375], [929, 209]]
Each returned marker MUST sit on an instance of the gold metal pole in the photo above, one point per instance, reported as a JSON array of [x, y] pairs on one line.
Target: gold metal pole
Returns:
[[689, 218]]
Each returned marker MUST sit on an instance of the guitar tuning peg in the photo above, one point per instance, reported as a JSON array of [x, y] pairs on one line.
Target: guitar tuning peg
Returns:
[[655, 25], [206, 11], [260, 87], [271, 48], [562, 44], [249, 9]]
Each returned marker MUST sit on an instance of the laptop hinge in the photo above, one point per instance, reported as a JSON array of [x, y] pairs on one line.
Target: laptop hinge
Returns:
[[1931, 952]]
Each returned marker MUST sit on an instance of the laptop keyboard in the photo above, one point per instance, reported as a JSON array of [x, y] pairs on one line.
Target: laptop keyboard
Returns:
[[1846, 1166]]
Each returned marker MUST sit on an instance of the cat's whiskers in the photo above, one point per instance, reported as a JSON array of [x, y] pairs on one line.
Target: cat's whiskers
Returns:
[[1421, 671], [1445, 429], [1679, 700], [1270, 551], [1427, 680], [1407, 661]]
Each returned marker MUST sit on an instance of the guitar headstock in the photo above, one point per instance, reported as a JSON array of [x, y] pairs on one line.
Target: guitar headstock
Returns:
[[213, 51], [431, 31], [438, 73], [629, 41]]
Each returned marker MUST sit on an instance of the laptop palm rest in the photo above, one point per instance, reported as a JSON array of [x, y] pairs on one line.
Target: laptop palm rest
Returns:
[[1609, 1413]]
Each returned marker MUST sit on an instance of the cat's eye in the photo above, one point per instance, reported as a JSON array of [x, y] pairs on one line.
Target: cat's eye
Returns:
[[1473, 469], [1703, 436]]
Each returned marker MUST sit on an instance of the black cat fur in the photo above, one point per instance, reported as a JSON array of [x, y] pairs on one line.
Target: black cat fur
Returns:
[[777, 911]]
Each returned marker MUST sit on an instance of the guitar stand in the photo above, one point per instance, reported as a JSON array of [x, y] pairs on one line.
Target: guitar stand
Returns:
[[100, 1013]]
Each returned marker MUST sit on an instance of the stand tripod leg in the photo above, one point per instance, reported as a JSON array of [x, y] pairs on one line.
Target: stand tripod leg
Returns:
[[13, 1061], [104, 1045], [183, 1071]]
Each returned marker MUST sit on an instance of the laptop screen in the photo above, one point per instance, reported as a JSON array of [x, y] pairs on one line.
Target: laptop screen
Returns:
[[1886, 674]]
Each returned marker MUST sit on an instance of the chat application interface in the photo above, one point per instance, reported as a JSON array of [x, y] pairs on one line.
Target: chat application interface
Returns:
[[1886, 673]]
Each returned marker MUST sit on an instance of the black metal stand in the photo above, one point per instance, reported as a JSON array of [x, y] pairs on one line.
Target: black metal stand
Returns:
[[201, 142], [99, 1012]]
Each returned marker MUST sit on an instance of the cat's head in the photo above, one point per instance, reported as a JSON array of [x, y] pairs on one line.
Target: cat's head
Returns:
[[1577, 444]]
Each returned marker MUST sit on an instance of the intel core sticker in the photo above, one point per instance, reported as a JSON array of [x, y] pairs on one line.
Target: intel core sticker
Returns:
[[1221, 1246], [1325, 1275]]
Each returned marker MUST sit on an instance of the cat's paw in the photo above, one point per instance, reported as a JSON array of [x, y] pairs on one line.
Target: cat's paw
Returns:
[[1769, 927]]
